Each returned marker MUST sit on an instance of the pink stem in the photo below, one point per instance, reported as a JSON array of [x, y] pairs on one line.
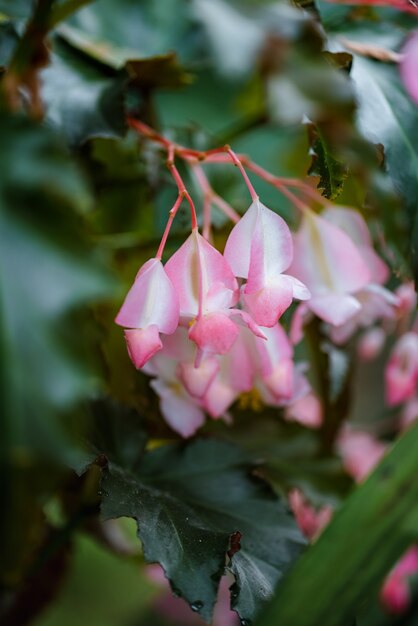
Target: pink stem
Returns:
[[237, 162], [172, 215], [180, 184]]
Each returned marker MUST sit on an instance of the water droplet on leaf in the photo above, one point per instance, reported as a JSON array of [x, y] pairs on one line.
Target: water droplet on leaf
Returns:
[[196, 606]]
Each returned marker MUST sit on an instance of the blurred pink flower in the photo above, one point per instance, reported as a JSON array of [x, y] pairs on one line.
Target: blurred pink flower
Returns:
[[310, 521], [395, 593], [360, 452], [401, 374], [409, 66]]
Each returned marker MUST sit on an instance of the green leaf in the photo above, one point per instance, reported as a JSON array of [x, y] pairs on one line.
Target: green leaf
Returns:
[[81, 99], [61, 11], [188, 499], [386, 115], [366, 536], [17, 8], [8, 41], [47, 273], [331, 171]]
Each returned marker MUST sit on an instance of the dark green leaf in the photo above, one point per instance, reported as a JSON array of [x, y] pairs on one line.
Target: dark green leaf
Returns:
[[368, 534], [188, 500], [47, 271], [8, 41], [331, 171]]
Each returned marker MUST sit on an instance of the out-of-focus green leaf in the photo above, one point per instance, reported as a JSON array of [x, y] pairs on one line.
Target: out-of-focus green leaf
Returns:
[[292, 457], [161, 71], [386, 115], [49, 273], [366, 536], [8, 41], [81, 100], [188, 501], [149, 28], [62, 10], [17, 8]]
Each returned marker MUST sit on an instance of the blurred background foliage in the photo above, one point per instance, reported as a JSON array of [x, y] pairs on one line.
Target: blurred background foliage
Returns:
[[84, 202]]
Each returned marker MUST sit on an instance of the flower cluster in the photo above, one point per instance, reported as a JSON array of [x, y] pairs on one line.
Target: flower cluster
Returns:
[[206, 325]]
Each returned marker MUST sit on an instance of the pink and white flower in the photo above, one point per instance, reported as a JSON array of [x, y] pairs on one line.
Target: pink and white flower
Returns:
[[151, 307], [260, 249], [331, 266], [208, 292]]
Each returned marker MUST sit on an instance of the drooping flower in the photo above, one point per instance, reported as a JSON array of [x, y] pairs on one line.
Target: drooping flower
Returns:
[[376, 302], [151, 307], [331, 266], [208, 292], [401, 375], [260, 249]]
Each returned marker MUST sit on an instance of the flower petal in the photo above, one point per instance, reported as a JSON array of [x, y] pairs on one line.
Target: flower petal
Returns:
[[152, 300], [335, 309], [214, 333], [198, 268], [326, 259], [180, 411], [142, 344], [197, 379]]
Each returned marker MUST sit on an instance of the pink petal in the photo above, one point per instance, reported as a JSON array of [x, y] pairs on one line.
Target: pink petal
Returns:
[[371, 343], [198, 267], [395, 595], [219, 398], [360, 452], [409, 66], [268, 304], [306, 410], [275, 350], [152, 299], [326, 259], [352, 223], [142, 344], [238, 246], [180, 411], [239, 363], [298, 320], [261, 239], [197, 379], [335, 309], [401, 375], [280, 381], [310, 521], [214, 333], [245, 319]]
